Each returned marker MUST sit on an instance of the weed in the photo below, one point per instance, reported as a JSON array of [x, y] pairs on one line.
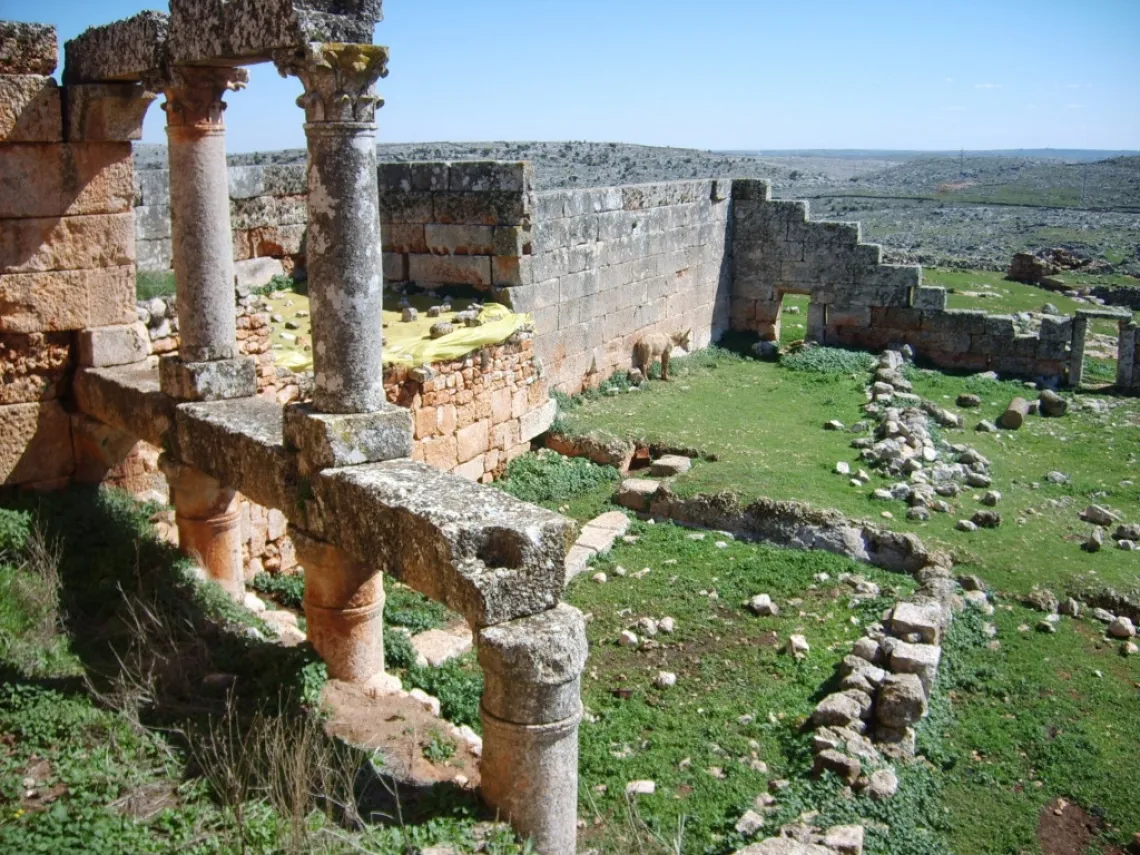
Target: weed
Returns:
[[458, 684], [828, 360], [153, 283], [413, 611], [549, 477], [287, 589], [439, 749]]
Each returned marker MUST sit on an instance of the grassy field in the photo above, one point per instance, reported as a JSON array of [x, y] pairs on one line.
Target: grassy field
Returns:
[[120, 731], [1016, 721]]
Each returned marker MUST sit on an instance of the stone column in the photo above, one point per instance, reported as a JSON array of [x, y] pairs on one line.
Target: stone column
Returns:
[[343, 244], [344, 609], [531, 708], [208, 517], [208, 366], [1077, 351]]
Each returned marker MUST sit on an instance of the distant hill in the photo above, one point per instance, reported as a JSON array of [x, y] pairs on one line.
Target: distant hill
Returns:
[[1068, 154]]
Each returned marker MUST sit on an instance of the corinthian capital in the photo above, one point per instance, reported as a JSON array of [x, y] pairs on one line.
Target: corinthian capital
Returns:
[[339, 80], [194, 94]]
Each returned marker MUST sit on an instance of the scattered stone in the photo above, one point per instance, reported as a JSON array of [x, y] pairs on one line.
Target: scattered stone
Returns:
[[647, 627], [1042, 599], [640, 788], [986, 519], [978, 480], [665, 680], [843, 467], [968, 400], [1046, 626], [669, 465], [1052, 404], [1122, 628], [408, 315], [902, 701], [1095, 540], [1127, 532], [866, 648], [986, 426], [921, 619], [991, 498], [844, 839], [834, 424], [627, 639], [1070, 607], [882, 784], [1127, 545], [441, 328], [1098, 515], [600, 578], [1056, 477], [749, 824], [798, 646], [1129, 648], [1102, 615], [762, 605], [965, 525], [842, 708], [847, 768]]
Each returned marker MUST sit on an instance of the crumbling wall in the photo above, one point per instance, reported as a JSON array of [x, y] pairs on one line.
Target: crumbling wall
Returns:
[[609, 265], [67, 275], [857, 301], [1128, 363]]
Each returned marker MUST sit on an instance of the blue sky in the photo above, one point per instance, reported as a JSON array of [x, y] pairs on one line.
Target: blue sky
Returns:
[[723, 74]]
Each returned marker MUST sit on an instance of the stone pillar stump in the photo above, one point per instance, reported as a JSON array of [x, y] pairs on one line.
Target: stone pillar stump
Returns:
[[208, 517], [344, 609]]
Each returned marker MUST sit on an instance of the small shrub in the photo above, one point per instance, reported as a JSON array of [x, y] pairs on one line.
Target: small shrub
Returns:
[[15, 529], [550, 477], [459, 690], [288, 590], [828, 360], [439, 749], [413, 611], [398, 651]]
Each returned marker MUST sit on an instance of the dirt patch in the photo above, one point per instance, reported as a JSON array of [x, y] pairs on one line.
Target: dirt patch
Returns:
[[402, 729], [1068, 829]]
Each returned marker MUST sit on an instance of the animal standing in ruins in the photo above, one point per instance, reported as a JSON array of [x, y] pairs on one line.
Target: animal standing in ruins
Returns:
[[659, 345]]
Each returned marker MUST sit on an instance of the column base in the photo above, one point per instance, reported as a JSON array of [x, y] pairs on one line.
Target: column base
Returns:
[[218, 380], [529, 774], [332, 440], [216, 542]]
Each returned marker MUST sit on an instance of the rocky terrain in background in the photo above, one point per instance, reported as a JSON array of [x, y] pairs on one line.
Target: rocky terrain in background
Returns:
[[971, 211]]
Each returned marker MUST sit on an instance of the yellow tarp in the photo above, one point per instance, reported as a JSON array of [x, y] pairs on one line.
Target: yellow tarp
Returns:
[[409, 343]]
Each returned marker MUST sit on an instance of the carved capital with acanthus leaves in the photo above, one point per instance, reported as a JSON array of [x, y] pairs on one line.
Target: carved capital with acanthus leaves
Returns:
[[194, 94], [339, 80]]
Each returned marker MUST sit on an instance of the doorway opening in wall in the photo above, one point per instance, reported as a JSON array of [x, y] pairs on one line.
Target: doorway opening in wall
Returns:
[[1102, 347], [793, 318]]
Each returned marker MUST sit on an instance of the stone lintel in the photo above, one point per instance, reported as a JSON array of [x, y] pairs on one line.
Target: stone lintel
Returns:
[[532, 666], [125, 50], [251, 30], [477, 550], [127, 398], [28, 48], [332, 440], [218, 380], [240, 443], [105, 112], [1112, 314]]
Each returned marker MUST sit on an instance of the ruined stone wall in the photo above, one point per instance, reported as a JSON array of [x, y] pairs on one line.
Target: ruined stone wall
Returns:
[[1128, 364], [609, 265], [267, 214], [474, 415], [67, 275], [857, 301]]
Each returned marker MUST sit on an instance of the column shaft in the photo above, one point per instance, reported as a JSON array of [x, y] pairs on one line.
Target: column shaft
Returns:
[[208, 517], [201, 238], [344, 609]]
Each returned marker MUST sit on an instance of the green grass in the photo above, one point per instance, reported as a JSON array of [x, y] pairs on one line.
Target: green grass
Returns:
[[1012, 727], [154, 283], [104, 644]]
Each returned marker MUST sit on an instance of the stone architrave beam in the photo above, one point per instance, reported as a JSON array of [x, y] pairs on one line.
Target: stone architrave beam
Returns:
[[344, 258], [125, 50]]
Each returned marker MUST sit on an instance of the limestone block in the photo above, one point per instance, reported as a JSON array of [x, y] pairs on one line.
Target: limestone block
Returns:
[[925, 619], [459, 270], [105, 112], [489, 209], [152, 222], [37, 443], [537, 421], [66, 300], [510, 271], [751, 190], [128, 398], [124, 50], [66, 180], [27, 48], [532, 666], [255, 29], [254, 212], [406, 207], [98, 448], [901, 701], [154, 254], [247, 182], [404, 237], [328, 440], [122, 344], [472, 440], [33, 367], [459, 239], [285, 179], [930, 298], [217, 380], [480, 552], [154, 187], [70, 243], [30, 109], [395, 267], [918, 659], [240, 441], [484, 176], [257, 272]]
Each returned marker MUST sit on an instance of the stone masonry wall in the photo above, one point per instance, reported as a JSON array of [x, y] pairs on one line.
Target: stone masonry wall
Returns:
[[66, 252], [857, 301], [607, 266], [1128, 365], [267, 214]]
